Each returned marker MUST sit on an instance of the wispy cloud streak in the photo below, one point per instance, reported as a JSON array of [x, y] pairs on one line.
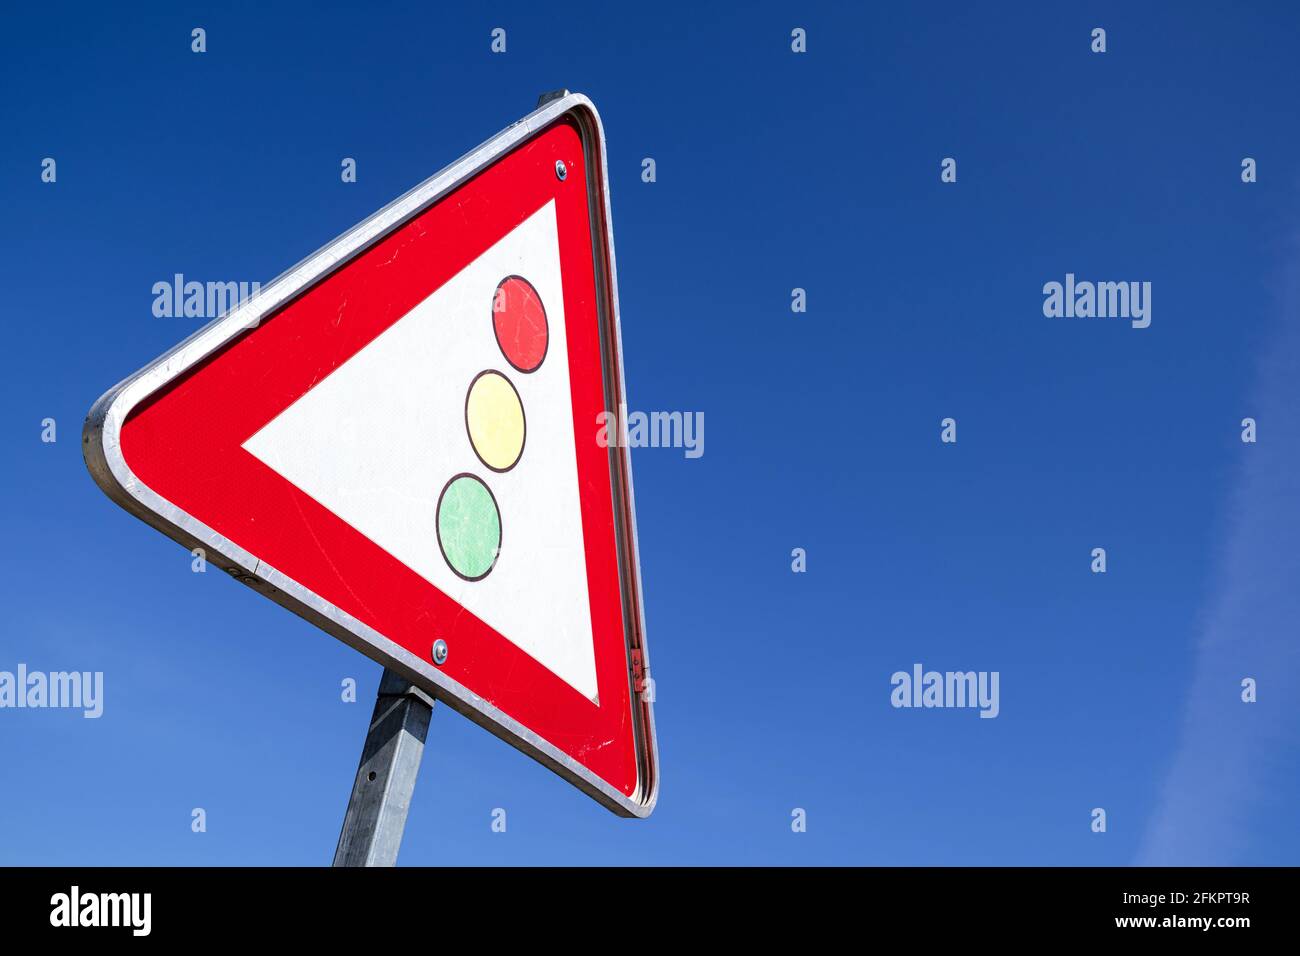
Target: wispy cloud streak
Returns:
[[1216, 806]]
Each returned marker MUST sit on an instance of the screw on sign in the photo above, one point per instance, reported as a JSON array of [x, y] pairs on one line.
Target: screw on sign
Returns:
[[412, 463]]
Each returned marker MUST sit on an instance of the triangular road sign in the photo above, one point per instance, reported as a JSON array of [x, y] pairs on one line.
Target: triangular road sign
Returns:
[[400, 440]]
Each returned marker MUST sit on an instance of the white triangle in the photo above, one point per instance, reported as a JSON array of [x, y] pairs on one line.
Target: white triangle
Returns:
[[377, 440]]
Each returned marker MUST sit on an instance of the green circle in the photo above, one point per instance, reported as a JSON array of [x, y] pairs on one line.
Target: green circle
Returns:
[[469, 527]]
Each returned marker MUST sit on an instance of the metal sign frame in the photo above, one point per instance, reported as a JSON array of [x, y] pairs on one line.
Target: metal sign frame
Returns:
[[104, 459]]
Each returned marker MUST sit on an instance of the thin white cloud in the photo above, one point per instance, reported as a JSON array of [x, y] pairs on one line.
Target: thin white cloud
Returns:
[[1218, 804]]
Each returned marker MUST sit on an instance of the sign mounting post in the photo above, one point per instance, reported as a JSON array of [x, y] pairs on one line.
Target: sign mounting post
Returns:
[[390, 762], [405, 440]]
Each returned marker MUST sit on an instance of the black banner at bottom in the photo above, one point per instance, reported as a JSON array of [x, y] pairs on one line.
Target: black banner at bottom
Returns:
[[546, 905]]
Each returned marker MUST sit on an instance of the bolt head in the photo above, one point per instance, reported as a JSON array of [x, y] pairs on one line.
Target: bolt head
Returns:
[[439, 651], [561, 171]]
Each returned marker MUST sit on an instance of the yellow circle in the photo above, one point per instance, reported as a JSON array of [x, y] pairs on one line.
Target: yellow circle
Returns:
[[495, 419]]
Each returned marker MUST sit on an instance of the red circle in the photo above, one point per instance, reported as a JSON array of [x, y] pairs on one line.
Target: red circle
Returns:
[[519, 320]]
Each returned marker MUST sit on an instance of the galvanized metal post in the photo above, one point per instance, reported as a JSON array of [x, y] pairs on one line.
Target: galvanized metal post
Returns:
[[390, 761]]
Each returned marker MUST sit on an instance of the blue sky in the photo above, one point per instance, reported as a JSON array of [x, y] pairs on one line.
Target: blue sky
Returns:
[[774, 171]]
